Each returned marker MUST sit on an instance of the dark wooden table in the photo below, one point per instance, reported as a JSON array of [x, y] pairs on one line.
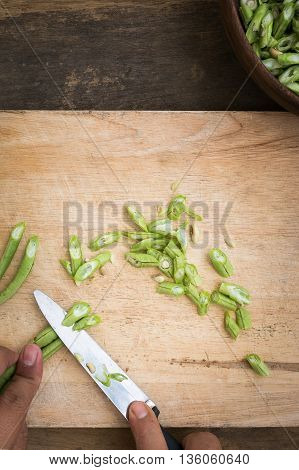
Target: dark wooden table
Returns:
[[88, 54], [154, 54]]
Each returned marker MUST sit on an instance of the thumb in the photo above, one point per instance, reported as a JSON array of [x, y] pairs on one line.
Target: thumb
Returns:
[[145, 427], [15, 401]]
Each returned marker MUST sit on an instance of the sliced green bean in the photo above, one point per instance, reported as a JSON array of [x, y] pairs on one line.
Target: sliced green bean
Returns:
[[253, 29], [173, 250], [243, 318], [237, 293], [155, 253], [295, 24], [203, 302], [176, 207], [23, 270], [104, 239], [162, 226], [266, 29], [148, 243], [12, 245], [170, 288], [102, 375], [294, 87], [104, 257], [179, 269], [166, 264], [45, 337], [181, 236], [283, 20], [286, 42], [221, 262], [191, 274], [87, 322], [137, 218], [67, 266], [247, 8], [136, 236], [257, 365], [141, 260], [75, 253], [231, 325], [290, 75], [257, 49], [223, 301], [87, 269], [272, 65], [192, 292], [193, 214], [118, 377], [288, 58], [51, 349], [76, 312]]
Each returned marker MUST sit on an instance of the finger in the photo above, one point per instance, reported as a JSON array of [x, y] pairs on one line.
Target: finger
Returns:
[[145, 427], [201, 441], [7, 358], [15, 401]]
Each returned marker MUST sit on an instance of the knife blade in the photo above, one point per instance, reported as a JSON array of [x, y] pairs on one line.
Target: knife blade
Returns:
[[81, 345]]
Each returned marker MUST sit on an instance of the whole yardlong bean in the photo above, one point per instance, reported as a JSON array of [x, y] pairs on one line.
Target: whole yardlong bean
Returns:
[[11, 247], [23, 270]]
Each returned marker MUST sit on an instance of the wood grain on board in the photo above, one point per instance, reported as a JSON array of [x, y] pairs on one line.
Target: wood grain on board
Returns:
[[241, 170]]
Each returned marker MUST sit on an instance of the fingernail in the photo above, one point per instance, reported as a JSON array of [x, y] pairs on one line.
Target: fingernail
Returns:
[[29, 355], [139, 410]]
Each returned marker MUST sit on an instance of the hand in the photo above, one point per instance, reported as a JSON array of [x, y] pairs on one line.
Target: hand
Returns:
[[148, 435], [16, 399]]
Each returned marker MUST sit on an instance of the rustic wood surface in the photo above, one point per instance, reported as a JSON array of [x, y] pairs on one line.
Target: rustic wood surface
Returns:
[[119, 439], [88, 54], [187, 364]]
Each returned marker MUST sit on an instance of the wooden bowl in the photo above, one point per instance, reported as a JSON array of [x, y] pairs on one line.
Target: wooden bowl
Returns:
[[249, 60]]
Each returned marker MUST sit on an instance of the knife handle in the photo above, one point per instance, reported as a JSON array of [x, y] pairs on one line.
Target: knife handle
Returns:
[[171, 442]]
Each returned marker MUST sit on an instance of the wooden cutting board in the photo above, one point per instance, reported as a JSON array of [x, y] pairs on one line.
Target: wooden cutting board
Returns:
[[241, 170]]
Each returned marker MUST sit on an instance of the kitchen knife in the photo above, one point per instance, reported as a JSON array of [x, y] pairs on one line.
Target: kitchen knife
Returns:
[[109, 377]]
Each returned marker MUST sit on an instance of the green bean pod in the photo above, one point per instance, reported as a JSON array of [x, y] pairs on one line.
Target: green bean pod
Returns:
[[137, 218], [12, 245], [283, 20], [243, 318], [67, 266], [231, 325], [6, 376], [223, 301], [237, 293], [162, 226], [172, 250], [75, 252], [247, 8], [181, 236], [288, 58], [176, 207], [266, 29], [290, 75], [166, 264], [170, 288], [203, 302], [294, 87], [179, 269], [51, 349], [221, 262], [141, 260], [191, 274], [254, 27], [104, 239], [257, 365], [45, 337], [87, 322], [118, 377], [136, 236], [76, 312], [286, 42], [23, 270]]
